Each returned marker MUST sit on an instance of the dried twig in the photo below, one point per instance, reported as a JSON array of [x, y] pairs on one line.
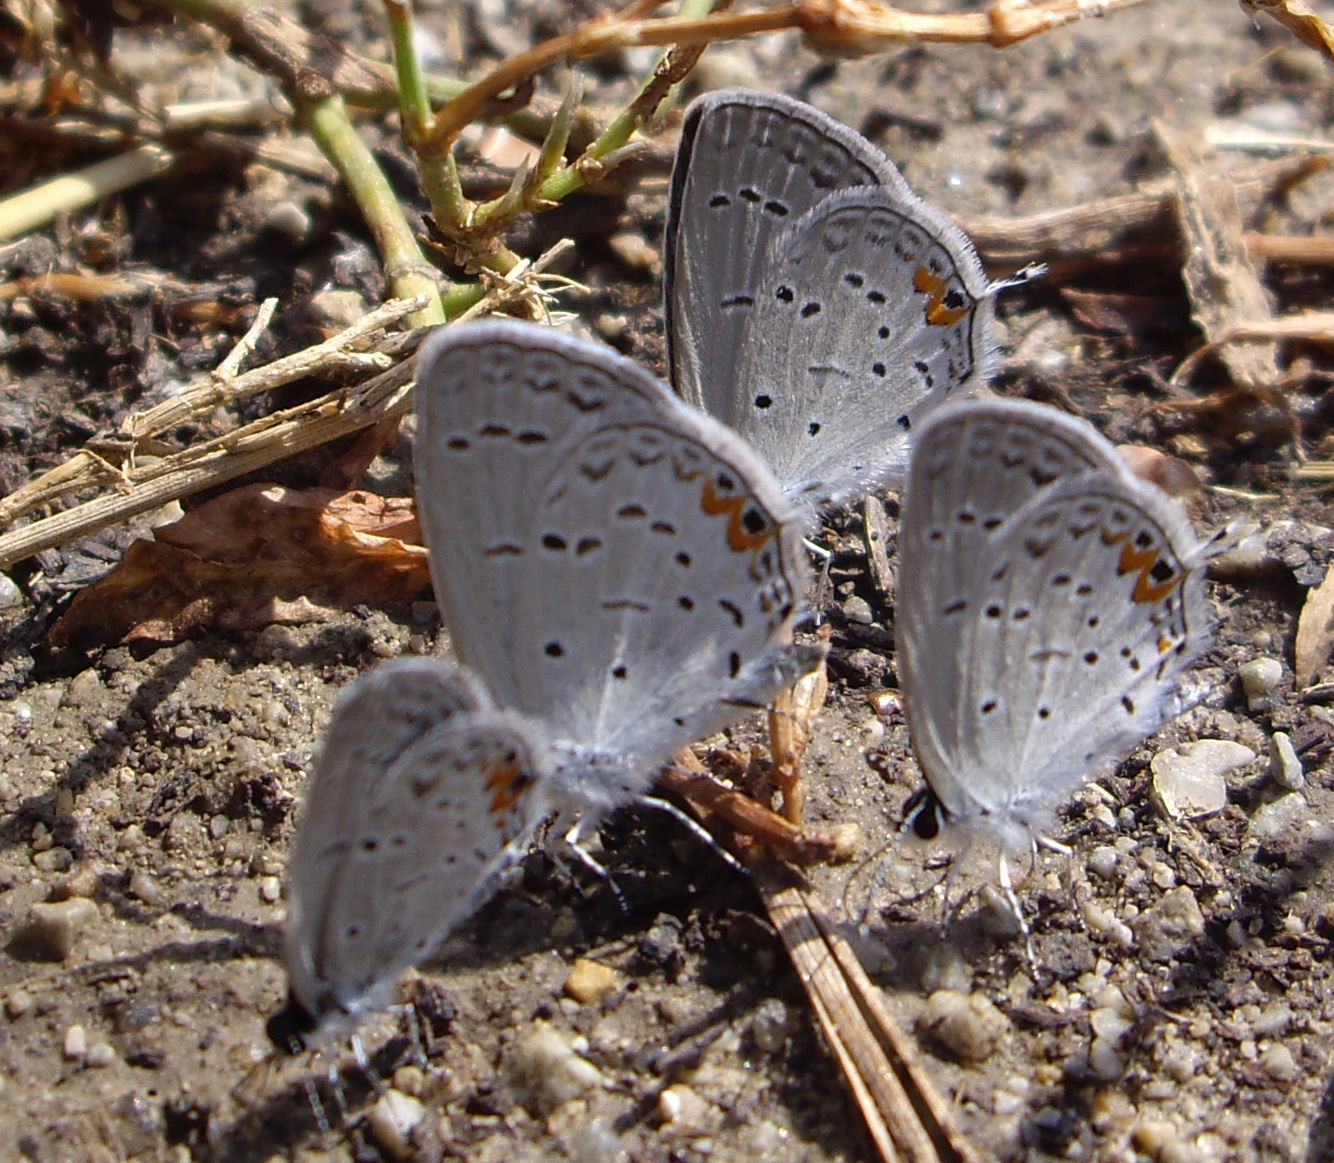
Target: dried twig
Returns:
[[143, 483], [845, 27], [907, 1117]]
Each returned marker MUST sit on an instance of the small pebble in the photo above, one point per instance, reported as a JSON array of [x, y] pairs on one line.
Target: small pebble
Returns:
[[1105, 1060], [1170, 925], [145, 887], [772, 1026], [1285, 766], [336, 308], [681, 1107], [547, 1071], [10, 594], [288, 219], [54, 859], [84, 688], [1259, 678], [858, 610], [590, 981], [100, 1055], [17, 1003], [1161, 1142], [53, 927], [1277, 1061], [76, 1044], [1102, 862], [1189, 783], [967, 1026], [392, 1120], [270, 889], [83, 881]]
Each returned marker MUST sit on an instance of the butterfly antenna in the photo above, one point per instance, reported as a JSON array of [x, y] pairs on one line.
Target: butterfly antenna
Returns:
[[316, 1104], [694, 827], [1025, 274]]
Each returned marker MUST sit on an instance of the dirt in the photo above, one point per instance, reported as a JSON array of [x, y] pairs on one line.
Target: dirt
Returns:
[[1180, 1007]]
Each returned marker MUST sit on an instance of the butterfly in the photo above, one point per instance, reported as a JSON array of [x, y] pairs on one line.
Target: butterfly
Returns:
[[812, 301], [619, 575]]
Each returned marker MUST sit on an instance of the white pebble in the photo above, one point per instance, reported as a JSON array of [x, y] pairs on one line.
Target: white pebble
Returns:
[[548, 1071], [1105, 1060], [1102, 861], [1258, 678], [392, 1120], [100, 1055], [968, 1026], [1285, 766], [76, 1044], [1189, 781], [1277, 1061]]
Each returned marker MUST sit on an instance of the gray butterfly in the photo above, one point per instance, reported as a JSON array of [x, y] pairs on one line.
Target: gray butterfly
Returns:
[[813, 302]]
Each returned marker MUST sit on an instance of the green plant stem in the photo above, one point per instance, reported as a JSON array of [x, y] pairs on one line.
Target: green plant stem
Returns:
[[618, 132], [405, 265], [440, 175]]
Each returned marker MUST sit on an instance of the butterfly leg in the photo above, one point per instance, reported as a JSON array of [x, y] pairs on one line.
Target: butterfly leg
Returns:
[[826, 558], [1012, 901]]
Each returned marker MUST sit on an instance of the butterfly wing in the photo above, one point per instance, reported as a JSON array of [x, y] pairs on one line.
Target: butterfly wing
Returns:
[[417, 799], [872, 310], [748, 164], [613, 562], [1049, 604]]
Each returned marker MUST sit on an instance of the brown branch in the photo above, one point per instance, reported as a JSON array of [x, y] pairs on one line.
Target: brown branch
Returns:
[[845, 27]]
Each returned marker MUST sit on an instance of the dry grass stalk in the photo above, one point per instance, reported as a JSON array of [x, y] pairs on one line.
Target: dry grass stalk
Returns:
[[908, 1119]]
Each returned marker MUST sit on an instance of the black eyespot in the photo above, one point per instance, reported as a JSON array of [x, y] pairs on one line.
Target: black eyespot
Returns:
[[554, 650], [763, 401]]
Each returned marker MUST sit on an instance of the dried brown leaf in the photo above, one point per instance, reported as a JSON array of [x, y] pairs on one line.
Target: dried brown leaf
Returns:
[[250, 557], [1315, 632], [1221, 282], [1298, 19]]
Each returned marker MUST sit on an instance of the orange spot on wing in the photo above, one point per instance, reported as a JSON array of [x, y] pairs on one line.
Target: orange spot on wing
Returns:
[[507, 785], [1141, 561], [739, 538], [937, 313]]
